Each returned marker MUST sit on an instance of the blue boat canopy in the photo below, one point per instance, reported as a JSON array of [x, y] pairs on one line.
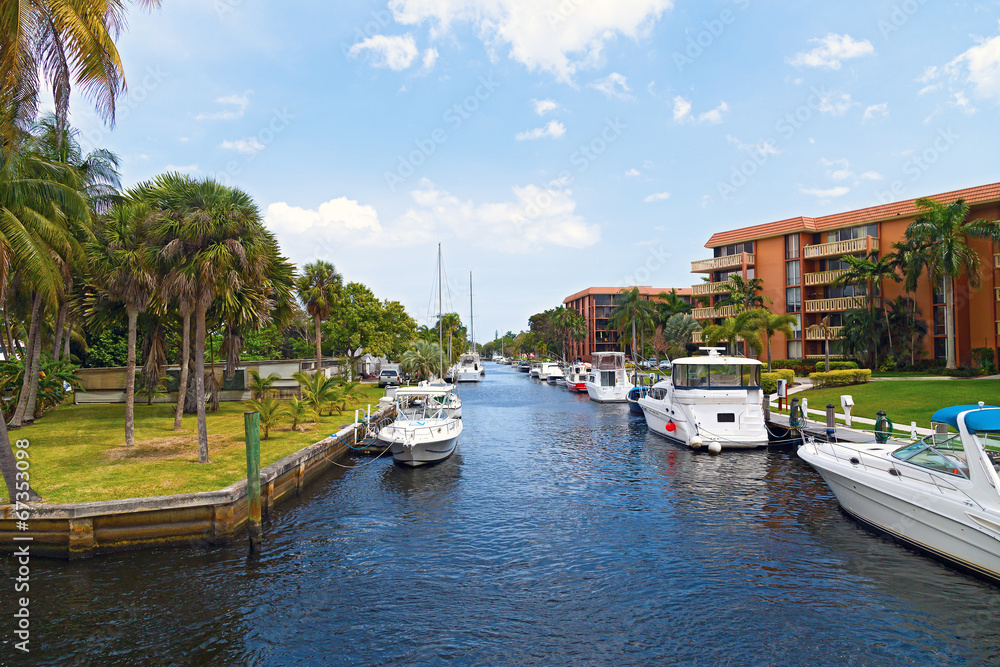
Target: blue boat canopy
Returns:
[[985, 419]]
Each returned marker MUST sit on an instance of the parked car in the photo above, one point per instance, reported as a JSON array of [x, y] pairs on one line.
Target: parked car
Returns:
[[389, 376], [665, 365]]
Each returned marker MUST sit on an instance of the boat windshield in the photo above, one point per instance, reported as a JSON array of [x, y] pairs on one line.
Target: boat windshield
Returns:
[[416, 408], [942, 452], [716, 376]]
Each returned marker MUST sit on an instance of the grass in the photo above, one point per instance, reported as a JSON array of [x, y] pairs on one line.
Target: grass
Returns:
[[78, 453], [904, 402]]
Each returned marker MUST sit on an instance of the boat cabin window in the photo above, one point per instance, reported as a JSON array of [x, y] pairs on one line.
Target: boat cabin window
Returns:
[[608, 378], [716, 376], [942, 452], [657, 393]]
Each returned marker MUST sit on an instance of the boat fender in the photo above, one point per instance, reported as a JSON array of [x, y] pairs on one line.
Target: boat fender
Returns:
[[714, 447], [695, 442], [671, 427]]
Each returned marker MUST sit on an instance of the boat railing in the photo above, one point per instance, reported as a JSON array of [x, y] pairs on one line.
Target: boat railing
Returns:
[[410, 433]]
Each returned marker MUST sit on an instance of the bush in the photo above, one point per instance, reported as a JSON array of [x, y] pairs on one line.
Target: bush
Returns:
[[983, 356], [841, 378], [798, 366], [769, 381], [836, 366]]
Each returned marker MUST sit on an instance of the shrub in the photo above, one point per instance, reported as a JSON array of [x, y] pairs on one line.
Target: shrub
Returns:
[[983, 356], [841, 378], [798, 366], [836, 366], [769, 381]]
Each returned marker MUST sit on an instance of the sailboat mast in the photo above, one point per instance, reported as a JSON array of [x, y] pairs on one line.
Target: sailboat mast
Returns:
[[472, 325], [440, 317]]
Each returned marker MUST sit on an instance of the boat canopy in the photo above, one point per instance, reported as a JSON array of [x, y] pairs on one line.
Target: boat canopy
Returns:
[[608, 361], [427, 390], [985, 418]]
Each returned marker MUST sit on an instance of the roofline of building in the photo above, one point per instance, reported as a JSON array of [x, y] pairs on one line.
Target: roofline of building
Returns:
[[643, 289], [982, 194]]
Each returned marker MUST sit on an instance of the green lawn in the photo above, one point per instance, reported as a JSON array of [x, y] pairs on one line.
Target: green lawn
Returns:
[[906, 401], [78, 453]]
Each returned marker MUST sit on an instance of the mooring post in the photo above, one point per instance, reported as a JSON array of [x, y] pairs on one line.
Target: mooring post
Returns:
[[805, 410], [251, 425], [766, 405], [831, 421], [793, 413]]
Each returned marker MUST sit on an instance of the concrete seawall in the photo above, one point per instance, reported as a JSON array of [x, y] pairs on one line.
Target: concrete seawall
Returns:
[[83, 530]]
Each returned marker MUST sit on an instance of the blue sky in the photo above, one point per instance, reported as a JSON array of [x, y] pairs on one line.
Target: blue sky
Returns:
[[553, 145]]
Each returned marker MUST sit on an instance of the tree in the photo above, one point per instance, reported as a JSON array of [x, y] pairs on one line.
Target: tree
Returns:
[[827, 331], [943, 231], [270, 411], [862, 336], [747, 325], [360, 321], [743, 294], [122, 267], [261, 387], [317, 389], [869, 273], [677, 333], [319, 287], [632, 310], [421, 360], [301, 410], [781, 323], [570, 325]]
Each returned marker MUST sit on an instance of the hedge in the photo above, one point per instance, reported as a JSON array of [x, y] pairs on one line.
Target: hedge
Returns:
[[841, 378], [836, 366], [769, 381], [799, 366]]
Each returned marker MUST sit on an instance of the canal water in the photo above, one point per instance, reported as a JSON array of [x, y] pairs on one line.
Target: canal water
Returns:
[[561, 532]]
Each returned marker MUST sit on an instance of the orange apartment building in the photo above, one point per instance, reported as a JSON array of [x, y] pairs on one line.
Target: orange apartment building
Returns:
[[797, 259], [596, 304]]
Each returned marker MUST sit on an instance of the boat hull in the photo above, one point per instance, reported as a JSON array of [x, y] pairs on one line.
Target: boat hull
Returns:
[[612, 394], [422, 444], [930, 521], [749, 436], [577, 387], [468, 376]]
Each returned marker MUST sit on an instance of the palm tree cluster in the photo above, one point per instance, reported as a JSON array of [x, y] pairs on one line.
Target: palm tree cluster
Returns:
[[634, 314]]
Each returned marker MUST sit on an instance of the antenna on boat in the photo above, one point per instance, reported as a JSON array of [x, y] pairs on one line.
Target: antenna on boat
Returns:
[[440, 318], [472, 325]]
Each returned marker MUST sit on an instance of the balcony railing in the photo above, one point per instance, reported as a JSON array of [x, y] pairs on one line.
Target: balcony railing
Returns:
[[823, 356], [996, 261], [704, 289], [823, 277], [712, 313], [697, 338], [838, 248], [841, 303], [817, 334], [719, 263], [996, 293]]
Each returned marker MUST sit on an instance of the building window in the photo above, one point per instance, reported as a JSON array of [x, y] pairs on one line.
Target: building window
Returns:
[[794, 349], [940, 348], [793, 300], [797, 327], [792, 246], [852, 233], [792, 276], [939, 327], [939, 292], [733, 249]]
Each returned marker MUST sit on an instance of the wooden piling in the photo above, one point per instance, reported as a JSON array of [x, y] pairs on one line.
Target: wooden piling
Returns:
[[251, 425], [831, 419]]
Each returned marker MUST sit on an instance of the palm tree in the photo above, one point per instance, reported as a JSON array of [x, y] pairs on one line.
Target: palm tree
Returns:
[[215, 234], [824, 328], [67, 43], [677, 333], [421, 360], [270, 411], [632, 310], [773, 324], [319, 287], [301, 410], [743, 294], [122, 267], [569, 325], [317, 389], [261, 387], [944, 230], [747, 325], [869, 273]]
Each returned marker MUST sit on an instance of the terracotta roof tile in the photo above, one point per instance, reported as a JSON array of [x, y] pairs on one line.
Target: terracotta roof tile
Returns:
[[643, 289], [975, 195]]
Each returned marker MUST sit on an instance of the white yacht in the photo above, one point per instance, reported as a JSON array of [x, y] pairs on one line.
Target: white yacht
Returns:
[[939, 494], [422, 432], [555, 374], [536, 368], [607, 382], [468, 369], [547, 368], [712, 401], [576, 377]]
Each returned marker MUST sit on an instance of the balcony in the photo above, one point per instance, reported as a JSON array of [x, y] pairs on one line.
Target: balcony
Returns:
[[706, 289], [720, 263], [823, 356], [712, 313], [696, 338], [996, 293], [823, 277], [839, 248], [817, 334], [996, 261], [838, 304]]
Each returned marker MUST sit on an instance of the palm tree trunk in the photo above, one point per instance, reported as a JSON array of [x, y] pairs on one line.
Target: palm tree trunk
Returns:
[[57, 334], [769, 354], [185, 352], [949, 321], [8, 467], [17, 419], [199, 382], [67, 337], [826, 346], [6, 331], [133, 315], [633, 337], [36, 356], [319, 346]]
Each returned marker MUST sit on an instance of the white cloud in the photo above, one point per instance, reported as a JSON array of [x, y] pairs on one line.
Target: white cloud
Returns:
[[658, 196], [635, 173], [244, 146], [981, 66], [841, 171], [185, 169], [238, 102], [397, 52], [614, 85], [760, 149], [337, 218], [828, 193], [877, 111], [835, 104], [553, 129], [183, 140], [430, 59], [831, 51], [559, 38], [682, 112], [543, 107]]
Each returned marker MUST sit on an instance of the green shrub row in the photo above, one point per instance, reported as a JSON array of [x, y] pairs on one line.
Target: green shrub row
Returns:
[[841, 378], [836, 366], [769, 381]]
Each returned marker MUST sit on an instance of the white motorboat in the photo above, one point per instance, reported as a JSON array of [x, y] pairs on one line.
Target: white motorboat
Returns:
[[536, 368], [555, 374], [547, 368], [939, 494], [712, 401], [422, 432], [468, 369], [607, 382], [576, 378]]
